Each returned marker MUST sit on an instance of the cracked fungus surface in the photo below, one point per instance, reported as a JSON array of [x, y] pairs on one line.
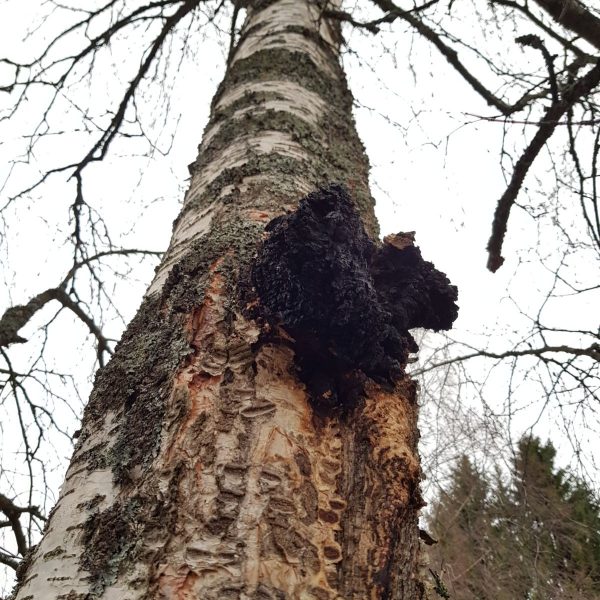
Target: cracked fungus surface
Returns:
[[347, 302]]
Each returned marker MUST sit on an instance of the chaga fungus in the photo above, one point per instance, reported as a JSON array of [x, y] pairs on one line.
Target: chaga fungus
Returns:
[[347, 302]]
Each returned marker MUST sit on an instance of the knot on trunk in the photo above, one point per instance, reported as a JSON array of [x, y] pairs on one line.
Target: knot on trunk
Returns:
[[347, 302]]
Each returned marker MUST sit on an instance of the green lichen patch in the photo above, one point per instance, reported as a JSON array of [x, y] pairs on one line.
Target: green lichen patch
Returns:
[[233, 236], [136, 385], [281, 64], [109, 539], [91, 504], [93, 458], [314, 36], [246, 100]]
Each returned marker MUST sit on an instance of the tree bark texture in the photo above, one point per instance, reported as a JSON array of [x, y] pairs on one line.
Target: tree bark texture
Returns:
[[203, 470]]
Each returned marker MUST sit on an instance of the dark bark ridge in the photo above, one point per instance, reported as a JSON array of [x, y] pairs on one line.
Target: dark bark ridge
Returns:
[[347, 302]]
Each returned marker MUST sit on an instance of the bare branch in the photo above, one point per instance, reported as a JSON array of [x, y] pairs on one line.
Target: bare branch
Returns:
[[592, 352], [534, 41], [452, 57], [112, 129], [9, 561], [107, 253], [524, 9], [17, 317], [13, 512], [573, 15], [548, 123], [370, 26]]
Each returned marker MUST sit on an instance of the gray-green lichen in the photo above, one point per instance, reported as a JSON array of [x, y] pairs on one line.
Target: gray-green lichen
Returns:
[[136, 385], [138, 382], [274, 64], [333, 148], [109, 539], [254, 122]]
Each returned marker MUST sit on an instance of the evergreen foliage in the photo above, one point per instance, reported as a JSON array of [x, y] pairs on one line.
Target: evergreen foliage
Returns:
[[533, 537]]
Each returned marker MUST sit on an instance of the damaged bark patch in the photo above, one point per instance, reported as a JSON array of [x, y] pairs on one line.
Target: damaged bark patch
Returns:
[[347, 302]]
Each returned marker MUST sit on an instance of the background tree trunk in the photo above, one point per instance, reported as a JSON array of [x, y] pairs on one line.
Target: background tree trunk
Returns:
[[202, 470]]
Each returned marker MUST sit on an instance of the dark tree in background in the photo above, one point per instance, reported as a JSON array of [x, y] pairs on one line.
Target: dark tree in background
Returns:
[[535, 534], [105, 70]]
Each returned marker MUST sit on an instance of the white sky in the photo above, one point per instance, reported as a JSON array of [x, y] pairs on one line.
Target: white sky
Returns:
[[429, 175]]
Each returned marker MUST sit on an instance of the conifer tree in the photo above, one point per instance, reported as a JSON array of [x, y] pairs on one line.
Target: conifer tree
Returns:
[[535, 536]]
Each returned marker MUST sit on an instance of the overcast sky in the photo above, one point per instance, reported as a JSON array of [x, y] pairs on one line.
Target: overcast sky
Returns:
[[431, 174]]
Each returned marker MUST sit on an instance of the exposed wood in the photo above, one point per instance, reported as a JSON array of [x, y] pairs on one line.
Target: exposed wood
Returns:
[[203, 469]]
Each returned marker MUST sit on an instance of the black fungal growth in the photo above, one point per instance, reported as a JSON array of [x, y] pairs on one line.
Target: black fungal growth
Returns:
[[347, 302]]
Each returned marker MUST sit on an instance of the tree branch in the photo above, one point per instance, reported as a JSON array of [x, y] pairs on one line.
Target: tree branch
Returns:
[[17, 317], [13, 512], [7, 560], [573, 15], [592, 352], [548, 123], [534, 41], [581, 55], [452, 57], [109, 133], [371, 26]]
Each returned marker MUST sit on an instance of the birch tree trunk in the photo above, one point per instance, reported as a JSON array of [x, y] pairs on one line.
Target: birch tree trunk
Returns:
[[202, 469]]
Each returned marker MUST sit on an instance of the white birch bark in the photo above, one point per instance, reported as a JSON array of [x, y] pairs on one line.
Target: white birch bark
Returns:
[[202, 470]]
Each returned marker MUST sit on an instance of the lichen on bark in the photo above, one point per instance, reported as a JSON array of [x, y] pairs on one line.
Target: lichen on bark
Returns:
[[203, 470]]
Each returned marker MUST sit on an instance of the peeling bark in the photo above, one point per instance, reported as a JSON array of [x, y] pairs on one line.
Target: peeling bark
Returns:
[[203, 469]]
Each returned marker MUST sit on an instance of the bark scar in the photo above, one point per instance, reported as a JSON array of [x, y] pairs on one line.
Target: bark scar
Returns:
[[347, 302]]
